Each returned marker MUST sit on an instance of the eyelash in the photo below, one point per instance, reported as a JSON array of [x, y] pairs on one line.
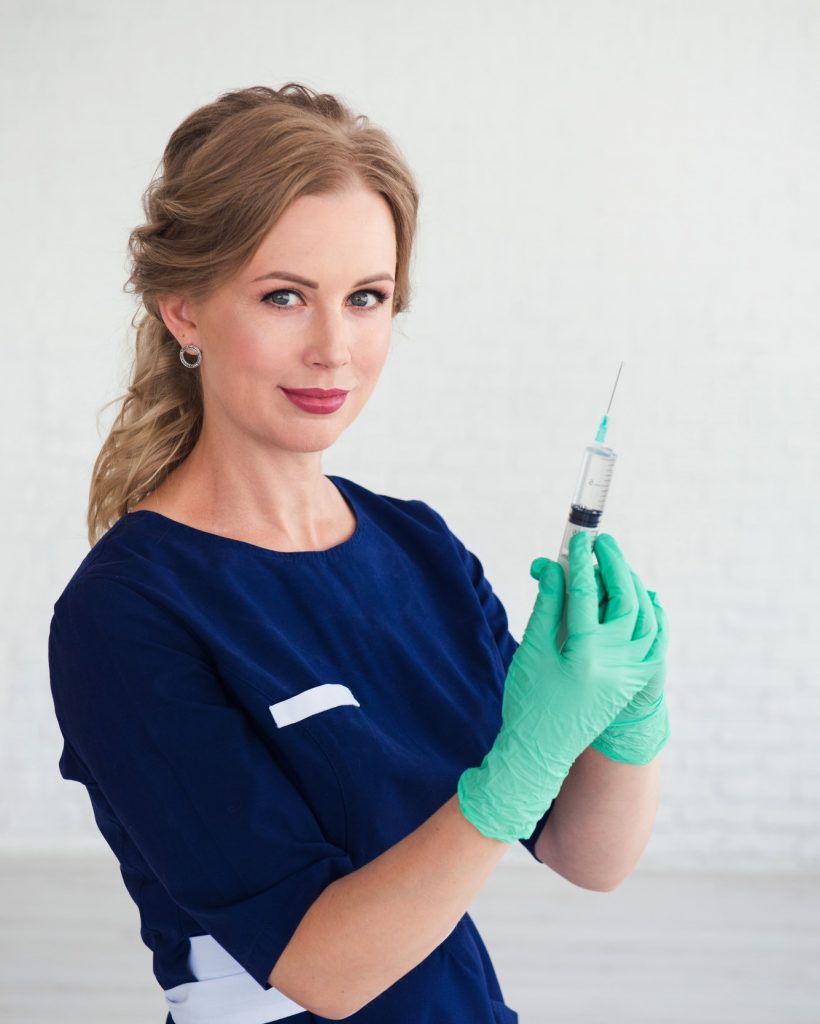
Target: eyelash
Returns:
[[380, 295]]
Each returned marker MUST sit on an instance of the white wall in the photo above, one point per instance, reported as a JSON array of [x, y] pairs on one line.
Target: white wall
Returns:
[[600, 181]]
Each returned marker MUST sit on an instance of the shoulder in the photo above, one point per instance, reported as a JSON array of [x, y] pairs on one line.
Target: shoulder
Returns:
[[104, 626], [97, 556], [124, 580]]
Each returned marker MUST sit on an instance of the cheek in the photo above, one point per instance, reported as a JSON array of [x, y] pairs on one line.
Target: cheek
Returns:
[[257, 355], [249, 371], [374, 356]]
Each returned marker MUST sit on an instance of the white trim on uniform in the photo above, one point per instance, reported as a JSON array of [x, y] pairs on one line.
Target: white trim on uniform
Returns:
[[309, 702], [224, 992]]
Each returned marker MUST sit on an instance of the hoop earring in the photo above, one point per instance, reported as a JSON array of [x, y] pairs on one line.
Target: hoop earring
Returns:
[[197, 352]]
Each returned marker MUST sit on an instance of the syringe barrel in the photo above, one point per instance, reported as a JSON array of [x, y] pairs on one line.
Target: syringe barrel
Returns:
[[589, 499], [595, 477]]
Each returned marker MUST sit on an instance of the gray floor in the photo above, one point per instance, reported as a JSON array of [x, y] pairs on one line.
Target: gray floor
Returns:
[[663, 949]]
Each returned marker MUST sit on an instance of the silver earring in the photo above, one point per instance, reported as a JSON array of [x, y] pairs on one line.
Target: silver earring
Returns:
[[197, 352]]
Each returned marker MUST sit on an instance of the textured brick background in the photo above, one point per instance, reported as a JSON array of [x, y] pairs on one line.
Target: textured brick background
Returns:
[[599, 182]]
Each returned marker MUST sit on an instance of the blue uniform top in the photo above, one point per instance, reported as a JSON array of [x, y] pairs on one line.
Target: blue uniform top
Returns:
[[253, 724]]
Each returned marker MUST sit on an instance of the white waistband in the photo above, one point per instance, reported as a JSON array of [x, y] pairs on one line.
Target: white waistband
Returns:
[[224, 992]]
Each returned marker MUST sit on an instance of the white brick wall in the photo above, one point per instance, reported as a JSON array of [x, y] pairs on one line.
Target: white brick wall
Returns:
[[595, 188]]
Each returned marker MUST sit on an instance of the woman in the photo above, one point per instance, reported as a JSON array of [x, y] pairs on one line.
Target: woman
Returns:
[[305, 729]]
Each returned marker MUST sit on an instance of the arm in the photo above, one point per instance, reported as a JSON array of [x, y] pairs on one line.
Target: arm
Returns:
[[369, 928], [600, 821]]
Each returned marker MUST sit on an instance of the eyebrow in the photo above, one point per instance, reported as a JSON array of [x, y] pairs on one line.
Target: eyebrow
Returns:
[[285, 276]]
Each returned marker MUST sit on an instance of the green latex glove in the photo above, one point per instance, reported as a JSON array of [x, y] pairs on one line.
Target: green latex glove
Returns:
[[556, 702], [641, 729]]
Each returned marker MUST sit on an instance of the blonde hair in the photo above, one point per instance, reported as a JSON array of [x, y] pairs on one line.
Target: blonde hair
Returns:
[[228, 173]]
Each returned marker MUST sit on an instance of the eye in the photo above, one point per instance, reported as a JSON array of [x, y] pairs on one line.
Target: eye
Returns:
[[379, 295], [279, 291]]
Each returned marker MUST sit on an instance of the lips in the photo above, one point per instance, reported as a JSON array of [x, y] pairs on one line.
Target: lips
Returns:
[[325, 402], [315, 392]]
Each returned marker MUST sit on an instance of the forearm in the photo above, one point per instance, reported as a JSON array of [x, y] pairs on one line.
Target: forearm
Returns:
[[369, 928], [601, 820]]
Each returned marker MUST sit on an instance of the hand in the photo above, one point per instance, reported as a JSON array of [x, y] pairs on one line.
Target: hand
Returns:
[[557, 702], [641, 729]]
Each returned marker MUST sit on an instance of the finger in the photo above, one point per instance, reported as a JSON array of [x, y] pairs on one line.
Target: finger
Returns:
[[622, 606], [646, 624], [545, 620], [599, 584], [660, 647], [582, 596], [602, 595]]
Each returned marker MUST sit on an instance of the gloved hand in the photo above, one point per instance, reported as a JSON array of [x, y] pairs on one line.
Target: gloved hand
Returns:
[[557, 702], [640, 730]]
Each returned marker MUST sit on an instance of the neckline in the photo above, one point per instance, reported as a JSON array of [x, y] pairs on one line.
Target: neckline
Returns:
[[217, 538]]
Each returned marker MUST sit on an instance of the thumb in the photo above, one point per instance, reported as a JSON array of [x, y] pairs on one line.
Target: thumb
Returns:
[[545, 618], [547, 572], [551, 582]]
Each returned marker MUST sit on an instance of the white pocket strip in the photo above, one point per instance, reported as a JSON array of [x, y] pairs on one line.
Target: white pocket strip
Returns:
[[310, 702]]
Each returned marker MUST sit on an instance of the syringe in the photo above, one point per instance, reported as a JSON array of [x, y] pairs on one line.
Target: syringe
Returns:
[[591, 490]]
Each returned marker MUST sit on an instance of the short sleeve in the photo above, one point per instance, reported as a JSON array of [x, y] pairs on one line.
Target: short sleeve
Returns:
[[496, 616], [182, 767]]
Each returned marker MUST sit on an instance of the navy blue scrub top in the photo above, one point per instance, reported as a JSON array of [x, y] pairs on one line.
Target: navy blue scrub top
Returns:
[[253, 724]]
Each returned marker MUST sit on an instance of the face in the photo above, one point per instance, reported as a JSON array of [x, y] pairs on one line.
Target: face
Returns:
[[264, 331]]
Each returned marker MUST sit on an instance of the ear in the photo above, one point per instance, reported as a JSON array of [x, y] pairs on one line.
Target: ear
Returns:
[[179, 315]]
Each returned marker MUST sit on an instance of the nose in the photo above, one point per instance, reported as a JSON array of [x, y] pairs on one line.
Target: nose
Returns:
[[330, 340]]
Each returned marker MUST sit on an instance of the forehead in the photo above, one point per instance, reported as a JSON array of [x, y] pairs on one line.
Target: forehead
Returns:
[[350, 228]]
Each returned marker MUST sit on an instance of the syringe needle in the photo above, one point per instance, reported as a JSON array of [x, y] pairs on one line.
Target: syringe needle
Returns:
[[613, 389], [600, 437]]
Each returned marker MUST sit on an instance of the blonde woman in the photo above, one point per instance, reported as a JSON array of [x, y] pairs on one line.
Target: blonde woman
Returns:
[[306, 731]]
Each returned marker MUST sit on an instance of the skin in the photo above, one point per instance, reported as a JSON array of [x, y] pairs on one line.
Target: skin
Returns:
[[255, 473]]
